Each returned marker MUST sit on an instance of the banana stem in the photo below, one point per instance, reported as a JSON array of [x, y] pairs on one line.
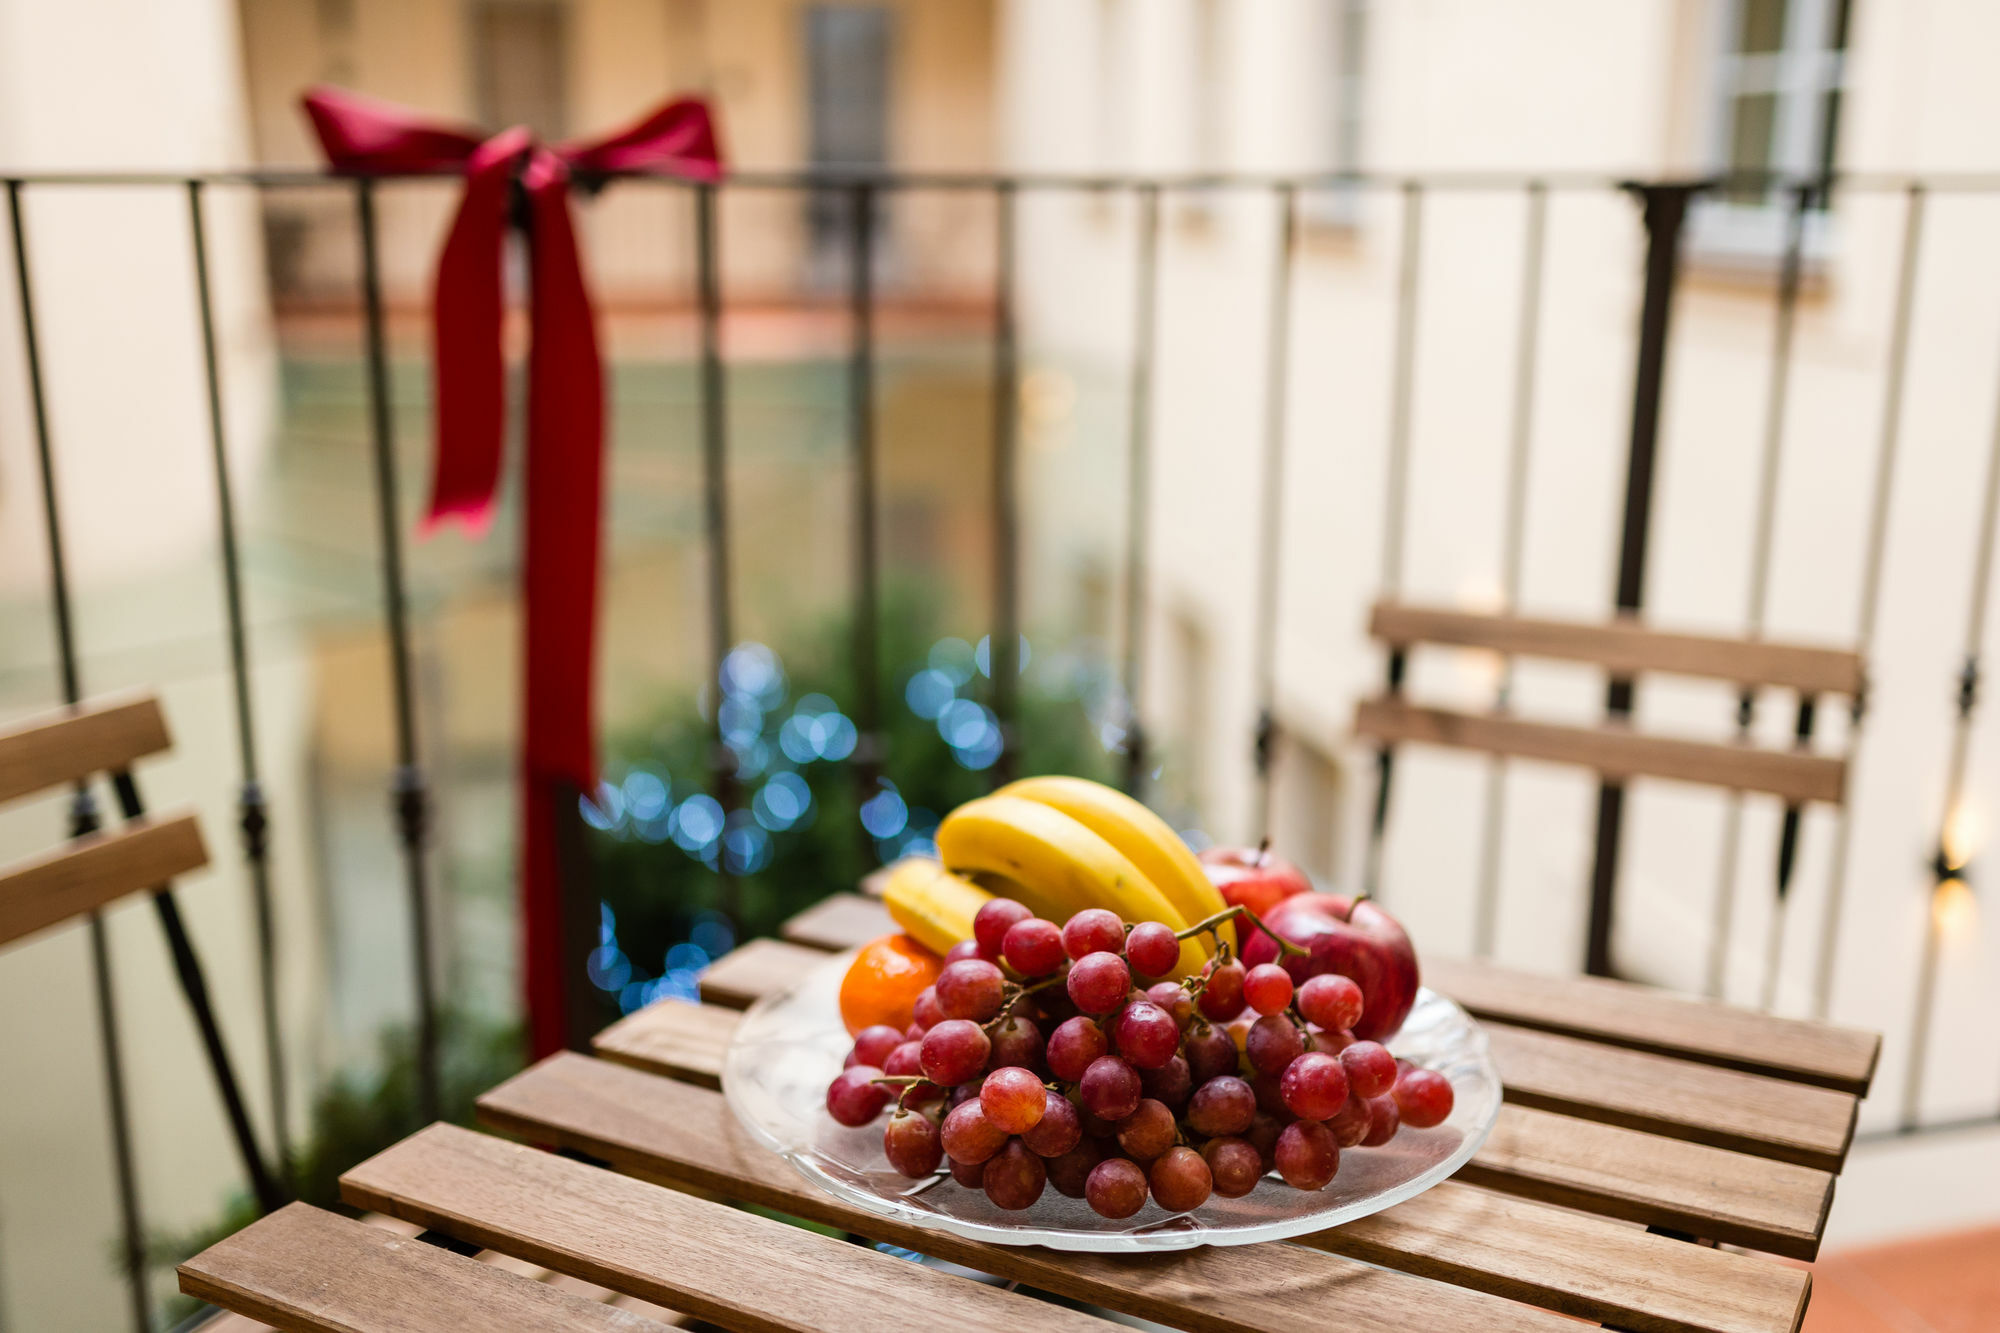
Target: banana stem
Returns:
[[1285, 946]]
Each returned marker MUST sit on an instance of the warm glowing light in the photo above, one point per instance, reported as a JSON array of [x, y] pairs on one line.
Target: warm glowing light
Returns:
[[1481, 670], [1964, 832], [1954, 911]]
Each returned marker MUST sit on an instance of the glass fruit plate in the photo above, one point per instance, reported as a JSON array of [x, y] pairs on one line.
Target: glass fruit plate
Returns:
[[791, 1043]]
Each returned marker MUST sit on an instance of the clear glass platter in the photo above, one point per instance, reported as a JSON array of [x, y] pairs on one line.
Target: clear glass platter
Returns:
[[791, 1044]]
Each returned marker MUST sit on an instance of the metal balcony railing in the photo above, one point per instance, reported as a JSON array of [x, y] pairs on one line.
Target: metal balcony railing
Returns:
[[1660, 206]]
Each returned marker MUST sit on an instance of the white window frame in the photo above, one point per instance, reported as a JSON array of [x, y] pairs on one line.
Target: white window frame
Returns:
[[1339, 106], [1800, 73]]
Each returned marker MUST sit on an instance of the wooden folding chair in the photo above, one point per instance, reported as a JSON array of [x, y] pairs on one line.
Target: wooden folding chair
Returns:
[[97, 868], [1624, 648]]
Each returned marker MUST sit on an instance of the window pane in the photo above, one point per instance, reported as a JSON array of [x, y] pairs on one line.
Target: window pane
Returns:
[[1763, 27], [1750, 122]]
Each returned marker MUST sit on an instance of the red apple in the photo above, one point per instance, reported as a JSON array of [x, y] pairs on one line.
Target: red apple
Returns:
[[1252, 877], [1353, 938]]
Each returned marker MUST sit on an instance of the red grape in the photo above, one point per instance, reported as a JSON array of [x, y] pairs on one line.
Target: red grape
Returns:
[[1371, 1070], [1314, 1086], [928, 1013], [1234, 1165], [1115, 1188], [967, 1134], [1273, 1044], [1267, 988], [1334, 1040], [1269, 1090], [873, 1044], [1349, 1125], [990, 924], [1093, 930], [914, 1032], [1223, 1105], [1016, 1042], [908, 1059], [1013, 1099], [1058, 1131], [1069, 1172], [1014, 1177], [964, 1092], [1145, 1034], [1072, 1047], [1172, 997], [1109, 1089], [1033, 947], [1423, 1098], [1152, 949], [1330, 1000], [1096, 1126], [1147, 1132], [853, 1098], [912, 1144], [1210, 1053], [1383, 1121], [1171, 1083], [1222, 997], [972, 1175], [1307, 1157], [963, 949], [1263, 1135], [1098, 981], [971, 988], [954, 1051], [1181, 1181]]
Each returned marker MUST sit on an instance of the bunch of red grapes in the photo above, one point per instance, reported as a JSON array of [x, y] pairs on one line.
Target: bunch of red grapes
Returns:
[[1036, 1059]]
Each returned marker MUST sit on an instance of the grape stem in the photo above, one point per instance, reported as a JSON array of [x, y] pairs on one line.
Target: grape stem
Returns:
[[1208, 924]]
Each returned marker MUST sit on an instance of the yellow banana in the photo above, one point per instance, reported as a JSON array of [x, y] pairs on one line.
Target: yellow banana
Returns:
[[1147, 840], [932, 905], [1057, 859]]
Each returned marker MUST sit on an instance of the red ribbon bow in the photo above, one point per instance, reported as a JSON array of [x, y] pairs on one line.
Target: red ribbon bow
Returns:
[[563, 484]]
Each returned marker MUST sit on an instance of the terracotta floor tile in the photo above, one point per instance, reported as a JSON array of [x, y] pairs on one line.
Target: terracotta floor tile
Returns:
[[1933, 1284]]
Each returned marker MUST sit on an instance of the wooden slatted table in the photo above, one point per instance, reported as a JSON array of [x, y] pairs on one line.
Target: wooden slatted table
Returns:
[[1652, 1155]]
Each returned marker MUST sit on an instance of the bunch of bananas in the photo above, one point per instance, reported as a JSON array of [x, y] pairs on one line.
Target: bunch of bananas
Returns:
[[1057, 845]]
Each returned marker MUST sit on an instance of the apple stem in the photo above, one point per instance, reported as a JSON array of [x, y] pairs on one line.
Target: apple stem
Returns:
[[1356, 903], [1264, 851], [1208, 924]]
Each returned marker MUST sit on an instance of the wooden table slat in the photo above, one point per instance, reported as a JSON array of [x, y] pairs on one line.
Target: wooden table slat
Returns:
[[683, 1135], [1649, 1019], [1725, 1108], [302, 1268], [755, 968], [712, 1261], [838, 921]]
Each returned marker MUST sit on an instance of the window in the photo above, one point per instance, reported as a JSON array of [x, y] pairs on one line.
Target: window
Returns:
[[847, 67], [518, 58], [1336, 68], [1778, 82]]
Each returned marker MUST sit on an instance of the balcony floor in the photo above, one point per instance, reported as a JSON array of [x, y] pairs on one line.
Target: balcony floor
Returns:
[[1947, 1283]]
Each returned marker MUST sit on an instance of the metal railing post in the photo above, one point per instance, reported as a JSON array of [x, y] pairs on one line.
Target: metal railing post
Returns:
[[409, 797], [715, 501], [1003, 646], [1664, 208], [1271, 500], [868, 748], [253, 818], [1138, 478]]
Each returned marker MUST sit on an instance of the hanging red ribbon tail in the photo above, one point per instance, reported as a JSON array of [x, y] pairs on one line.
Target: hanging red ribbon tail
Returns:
[[562, 488]]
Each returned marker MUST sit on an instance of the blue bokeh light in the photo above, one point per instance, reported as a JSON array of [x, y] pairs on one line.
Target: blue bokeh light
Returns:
[[928, 692], [782, 802], [697, 823], [884, 815], [646, 794], [952, 657], [983, 656]]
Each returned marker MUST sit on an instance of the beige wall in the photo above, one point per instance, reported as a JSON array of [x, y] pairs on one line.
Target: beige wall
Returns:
[[624, 56]]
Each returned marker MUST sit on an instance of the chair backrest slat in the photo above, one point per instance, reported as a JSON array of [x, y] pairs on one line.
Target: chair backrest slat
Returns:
[[1625, 647], [97, 869], [78, 743], [1614, 751]]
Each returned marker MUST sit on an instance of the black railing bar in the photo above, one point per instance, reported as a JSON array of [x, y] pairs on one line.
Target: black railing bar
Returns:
[[1944, 870], [1271, 503], [715, 503], [1003, 646], [1138, 480], [408, 797], [1509, 180], [1788, 852], [861, 440], [83, 810], [253, 816], [1871, 575], [1762, 540], [1513, 550]]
